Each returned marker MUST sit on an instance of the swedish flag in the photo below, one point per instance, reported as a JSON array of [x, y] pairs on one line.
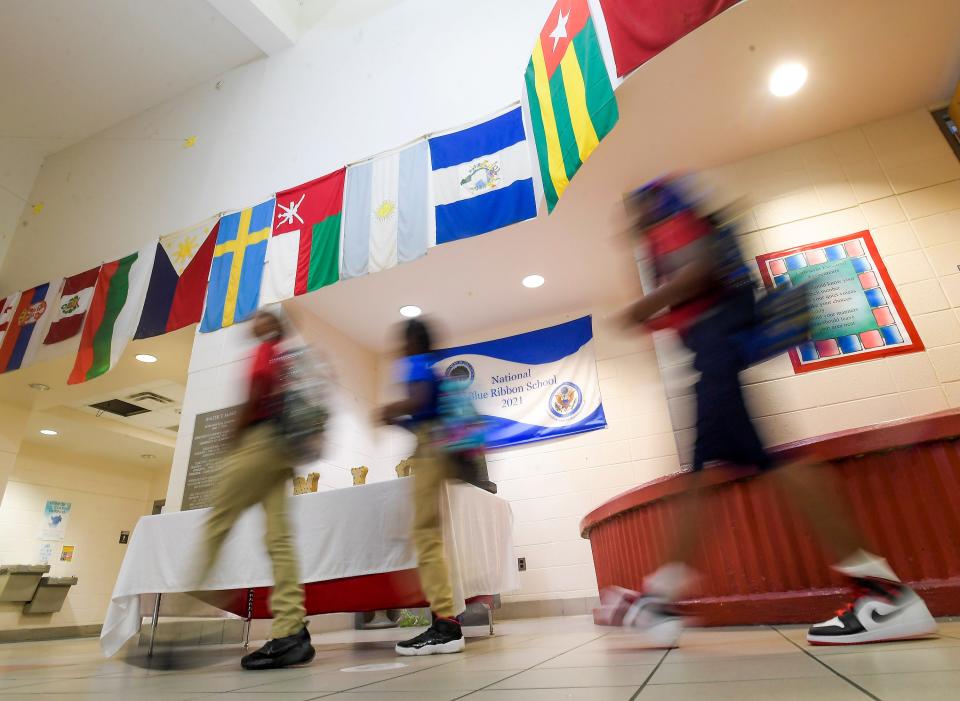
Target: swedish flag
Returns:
[[234, 290]]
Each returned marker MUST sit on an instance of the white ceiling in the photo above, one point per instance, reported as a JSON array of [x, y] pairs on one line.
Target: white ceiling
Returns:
[[70, 69], [701, 103]]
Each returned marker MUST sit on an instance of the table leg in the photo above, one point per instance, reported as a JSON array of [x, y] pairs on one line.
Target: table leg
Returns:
[[490, 617], [248, 622], [153, 625]]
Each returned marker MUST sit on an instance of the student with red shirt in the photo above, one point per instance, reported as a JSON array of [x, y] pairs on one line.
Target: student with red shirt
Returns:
[[704, 292], [257, 471]]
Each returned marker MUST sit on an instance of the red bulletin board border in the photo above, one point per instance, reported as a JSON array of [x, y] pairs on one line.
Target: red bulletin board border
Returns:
[[916, 344]]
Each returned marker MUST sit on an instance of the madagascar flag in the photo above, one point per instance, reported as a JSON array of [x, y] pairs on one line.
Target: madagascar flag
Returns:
[[568, 95], [113, 314]]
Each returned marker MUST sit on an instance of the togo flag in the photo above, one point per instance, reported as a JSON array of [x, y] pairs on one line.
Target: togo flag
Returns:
[[113, 314], [482, 178], [303, 254], [386, 212], [568, 97]]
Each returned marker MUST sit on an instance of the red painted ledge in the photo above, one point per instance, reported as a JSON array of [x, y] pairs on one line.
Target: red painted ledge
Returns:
[[833, 446]]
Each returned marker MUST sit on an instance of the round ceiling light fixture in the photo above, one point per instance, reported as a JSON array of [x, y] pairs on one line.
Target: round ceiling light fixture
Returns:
[[146, 358], [48, 432], [410, 311], [533, 281], [787, 79], [39, 386]]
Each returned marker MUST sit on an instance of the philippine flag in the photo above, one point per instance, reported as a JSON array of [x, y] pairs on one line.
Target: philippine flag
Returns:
[[482, 178]]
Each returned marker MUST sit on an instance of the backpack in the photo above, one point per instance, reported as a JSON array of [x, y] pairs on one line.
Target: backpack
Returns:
[[461, 433], [304, 410]]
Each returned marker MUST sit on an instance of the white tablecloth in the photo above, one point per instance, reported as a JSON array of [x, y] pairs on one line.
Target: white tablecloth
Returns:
[[340, 533]]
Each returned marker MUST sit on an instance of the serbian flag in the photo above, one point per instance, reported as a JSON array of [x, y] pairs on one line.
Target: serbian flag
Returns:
[[23, 335], [303, 254], [68, 313], [114, 311], [178, 281], [640, 29]]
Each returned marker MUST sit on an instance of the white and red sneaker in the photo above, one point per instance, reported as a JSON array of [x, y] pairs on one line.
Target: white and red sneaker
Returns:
[[652, 616], [882, 610]]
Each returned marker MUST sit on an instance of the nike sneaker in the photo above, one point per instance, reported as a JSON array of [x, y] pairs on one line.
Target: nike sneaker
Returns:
[[652, 616], [882, 610], [442, 638]]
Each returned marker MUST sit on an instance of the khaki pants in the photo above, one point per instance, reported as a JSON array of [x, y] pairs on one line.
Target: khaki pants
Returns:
[[256, 471], [430, 471]]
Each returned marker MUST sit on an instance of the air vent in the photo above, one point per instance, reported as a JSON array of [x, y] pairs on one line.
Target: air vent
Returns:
[[119, 408], [150, 397]]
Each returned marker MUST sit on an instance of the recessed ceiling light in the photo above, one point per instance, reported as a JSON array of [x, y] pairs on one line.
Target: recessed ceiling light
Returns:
[[410, 311], [788, 79], [533, 281], [148, 456], [39, 386], [48, 432], [146, 358]]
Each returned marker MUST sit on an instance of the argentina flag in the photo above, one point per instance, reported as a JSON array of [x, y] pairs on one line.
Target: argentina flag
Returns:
[[482, 178]]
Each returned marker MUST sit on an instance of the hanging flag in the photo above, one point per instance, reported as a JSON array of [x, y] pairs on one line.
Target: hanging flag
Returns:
[[113, 314], [7, 305], [568, 95], [69, 311], [482, 178], [178, 281], [386, 212], [234, 290], [24, 328], [640, 29], [303, 254]]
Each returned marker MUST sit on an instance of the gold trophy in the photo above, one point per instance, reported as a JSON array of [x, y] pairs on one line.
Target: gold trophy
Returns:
[[306, 485], [405, 468]]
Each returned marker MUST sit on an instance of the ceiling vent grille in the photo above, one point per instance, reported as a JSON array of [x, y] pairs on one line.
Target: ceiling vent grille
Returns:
[[150, 397]]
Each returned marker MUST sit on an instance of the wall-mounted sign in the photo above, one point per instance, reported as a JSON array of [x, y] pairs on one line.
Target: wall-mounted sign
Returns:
[[857, 313], [212, 435], [124, 537], [55, 517]]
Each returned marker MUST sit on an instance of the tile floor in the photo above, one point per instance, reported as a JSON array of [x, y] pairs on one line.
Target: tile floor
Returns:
[[528, 660]]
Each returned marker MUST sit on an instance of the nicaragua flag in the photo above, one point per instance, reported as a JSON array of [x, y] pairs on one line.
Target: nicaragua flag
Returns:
[[482, 178]]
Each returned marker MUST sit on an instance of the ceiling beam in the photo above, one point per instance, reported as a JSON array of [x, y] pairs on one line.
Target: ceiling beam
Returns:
[[272, 25]]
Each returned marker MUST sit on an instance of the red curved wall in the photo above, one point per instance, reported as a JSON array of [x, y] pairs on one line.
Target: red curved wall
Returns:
[[760, 561]]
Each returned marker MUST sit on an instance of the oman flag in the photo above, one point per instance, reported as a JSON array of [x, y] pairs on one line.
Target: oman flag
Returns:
[[178, 281], [68, 313], [303, 254], [114, 311]]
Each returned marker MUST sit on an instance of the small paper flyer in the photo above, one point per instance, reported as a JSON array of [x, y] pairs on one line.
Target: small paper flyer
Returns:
[[55, 516], [66, 555], [46, 553]]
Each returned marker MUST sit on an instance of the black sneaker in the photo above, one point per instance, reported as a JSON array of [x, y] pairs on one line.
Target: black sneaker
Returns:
[[281, 652], [882, 610], [442, 638]]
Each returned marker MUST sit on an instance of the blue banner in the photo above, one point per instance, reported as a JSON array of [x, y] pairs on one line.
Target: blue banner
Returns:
[[532, 386]]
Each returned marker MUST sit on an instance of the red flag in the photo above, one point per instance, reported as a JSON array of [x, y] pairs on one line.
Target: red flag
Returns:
[[72, 305], [640, 29]]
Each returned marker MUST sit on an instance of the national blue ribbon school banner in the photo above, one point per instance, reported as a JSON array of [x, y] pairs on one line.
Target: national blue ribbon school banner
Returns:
[[533, 386]]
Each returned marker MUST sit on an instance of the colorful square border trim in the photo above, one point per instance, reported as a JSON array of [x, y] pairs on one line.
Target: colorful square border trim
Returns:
[[895, 333]]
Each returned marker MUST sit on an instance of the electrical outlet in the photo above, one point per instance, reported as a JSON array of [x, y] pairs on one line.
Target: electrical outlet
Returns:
[[522, 564]]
